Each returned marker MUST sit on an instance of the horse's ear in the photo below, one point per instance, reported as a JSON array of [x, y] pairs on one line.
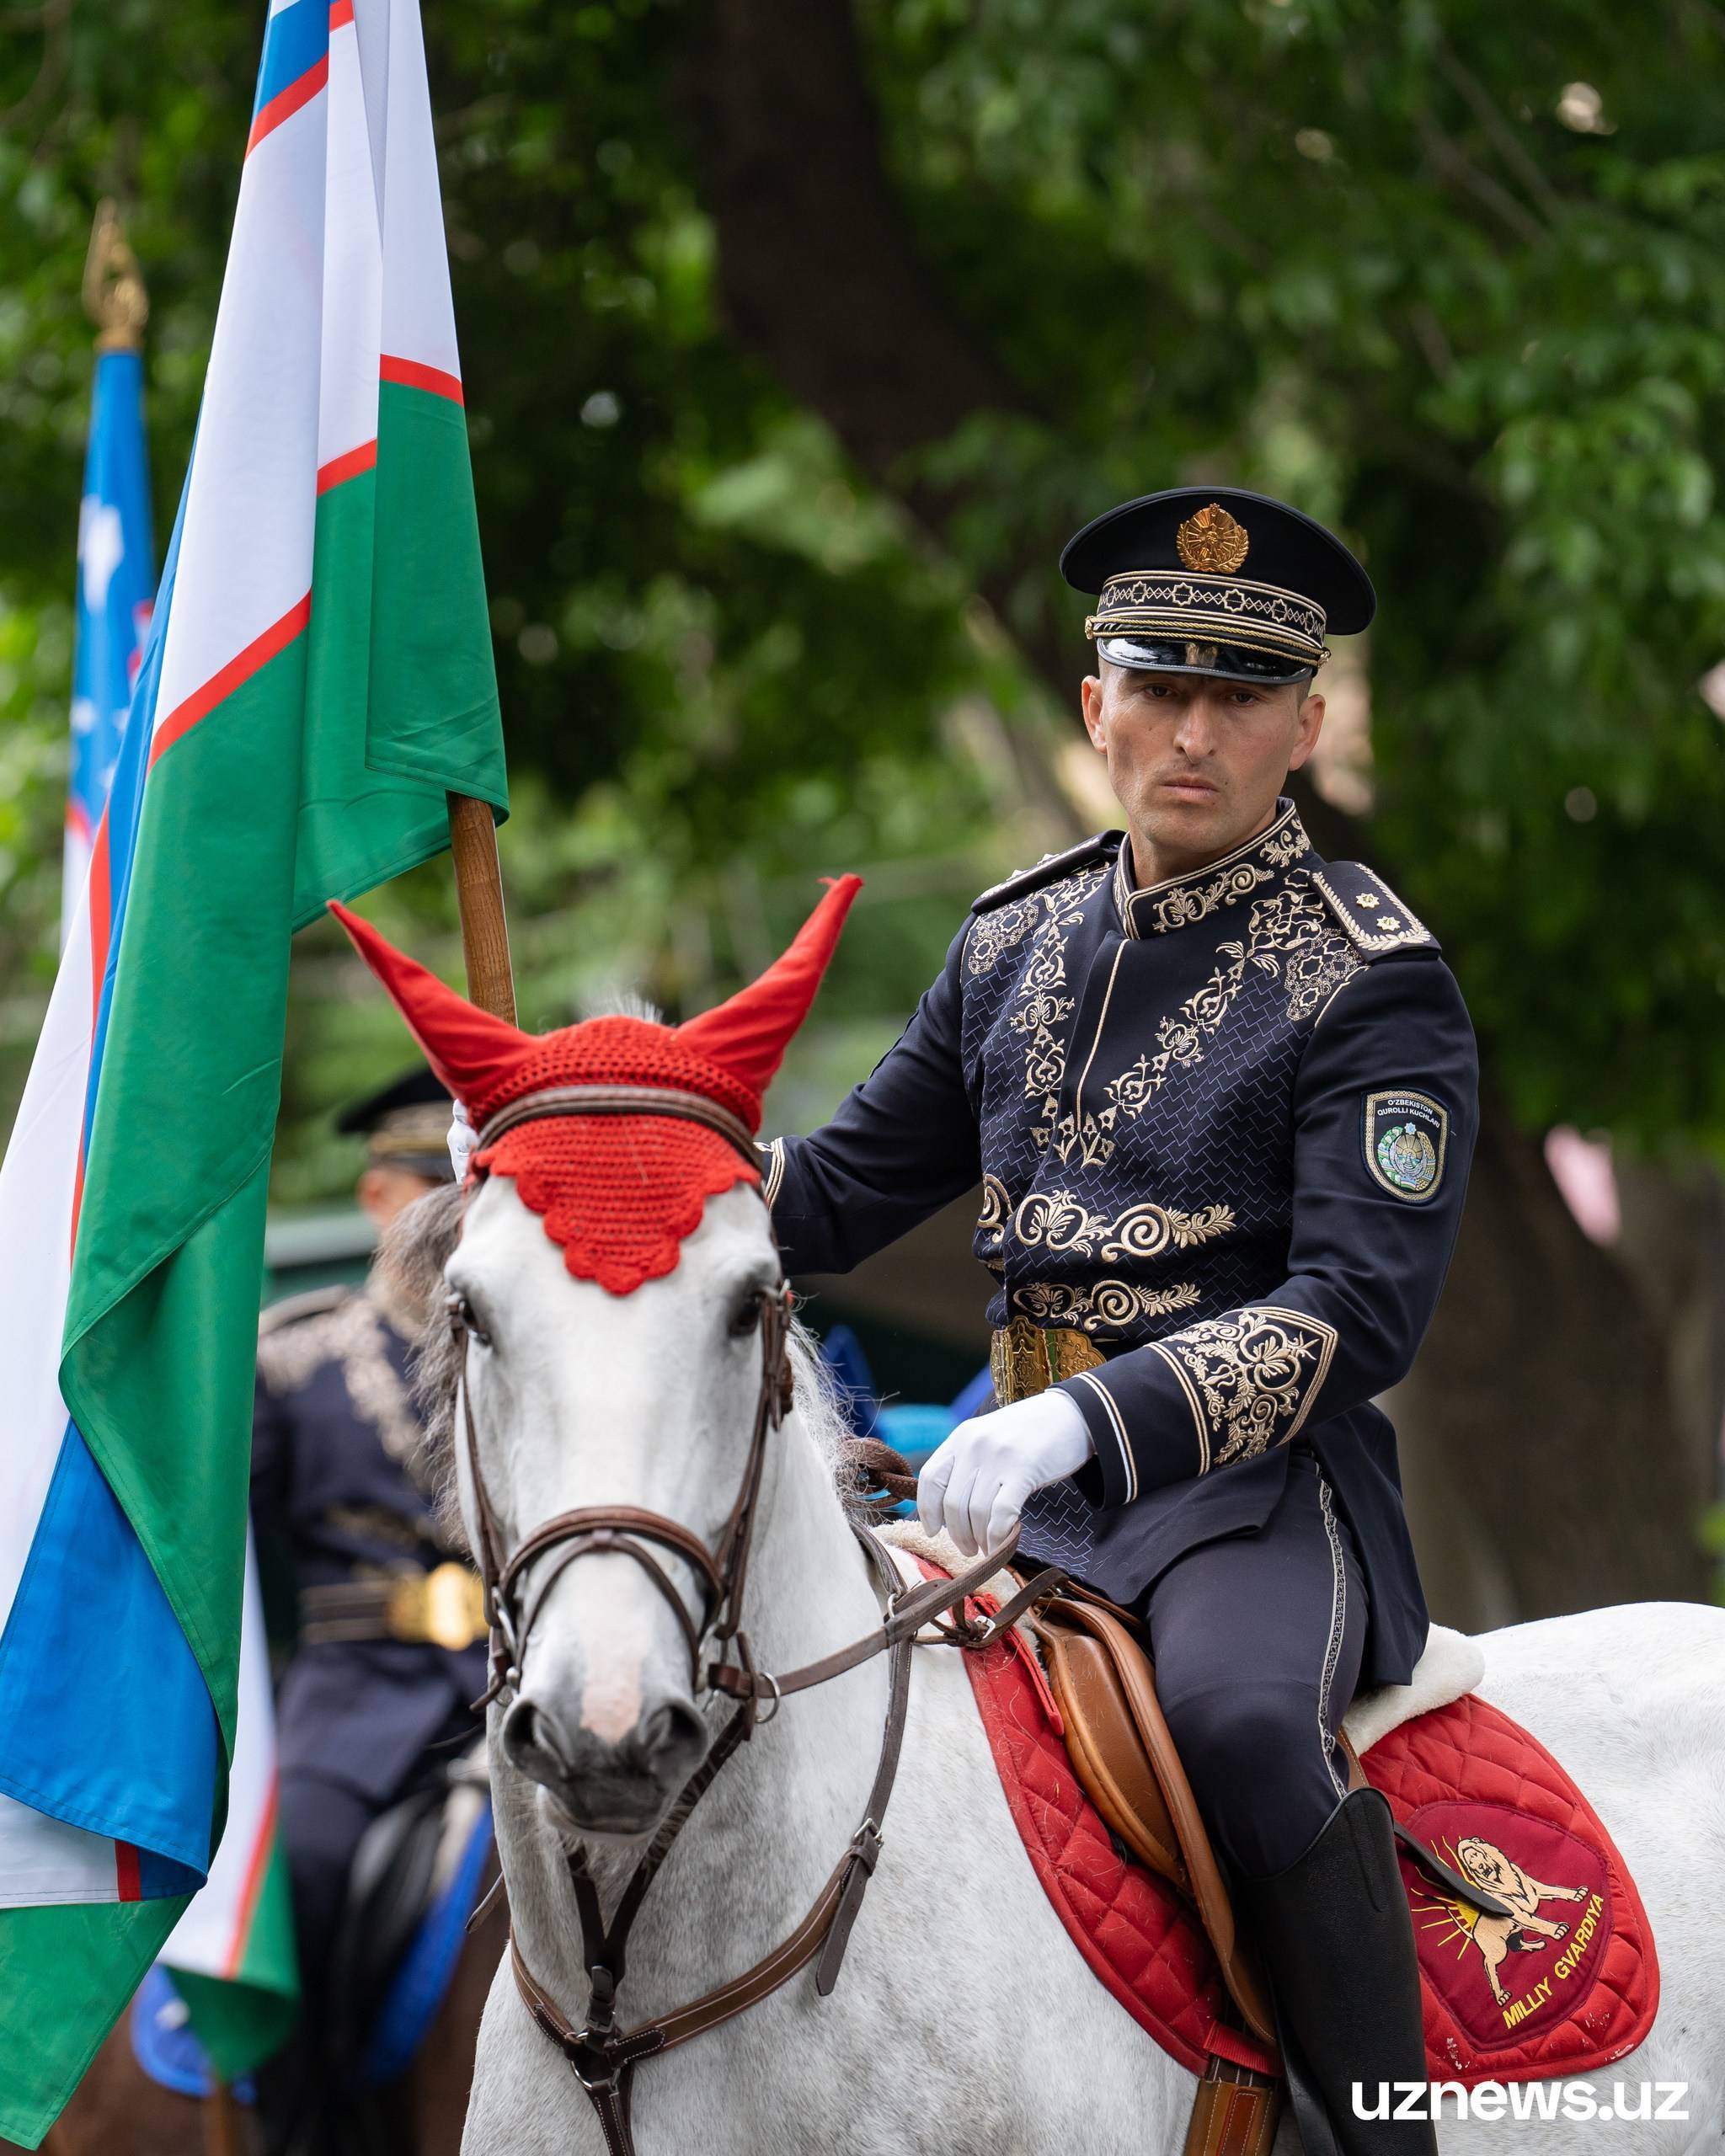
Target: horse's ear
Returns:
[[748, 1036], [468, 1048]]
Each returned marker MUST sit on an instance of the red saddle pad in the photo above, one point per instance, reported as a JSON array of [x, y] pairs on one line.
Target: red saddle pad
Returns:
[[1472, 1784]]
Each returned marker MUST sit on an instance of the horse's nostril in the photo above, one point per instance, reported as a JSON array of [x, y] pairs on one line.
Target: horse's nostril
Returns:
[[672, 1739], [532, 1739]]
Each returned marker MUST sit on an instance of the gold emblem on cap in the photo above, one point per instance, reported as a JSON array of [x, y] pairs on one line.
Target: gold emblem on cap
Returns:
[[1213, 542]]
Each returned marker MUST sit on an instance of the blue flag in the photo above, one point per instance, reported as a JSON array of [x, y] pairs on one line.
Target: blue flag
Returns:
[[116, 580]]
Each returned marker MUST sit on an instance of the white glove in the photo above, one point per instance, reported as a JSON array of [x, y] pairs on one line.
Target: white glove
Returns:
[[975, 1485], [462, 1139]]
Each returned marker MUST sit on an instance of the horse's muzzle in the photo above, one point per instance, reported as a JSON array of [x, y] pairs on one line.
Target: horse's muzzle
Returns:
[[621, 1788]]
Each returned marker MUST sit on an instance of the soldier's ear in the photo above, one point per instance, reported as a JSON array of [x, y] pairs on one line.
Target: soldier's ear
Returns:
[[1311, 724], [1090, 703]]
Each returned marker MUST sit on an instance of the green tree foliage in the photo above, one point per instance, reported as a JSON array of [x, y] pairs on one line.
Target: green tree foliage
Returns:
[[1450, 275]]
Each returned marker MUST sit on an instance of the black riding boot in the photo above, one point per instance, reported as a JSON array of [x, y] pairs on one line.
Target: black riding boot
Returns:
[[1337, 1939]]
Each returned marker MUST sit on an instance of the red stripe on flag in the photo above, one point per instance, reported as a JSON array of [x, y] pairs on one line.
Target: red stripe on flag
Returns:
[[78, 821], [125, 1872], [349, 465], [257, 1869], [286, 103], [257, 655], [413, 375], [341, 14]]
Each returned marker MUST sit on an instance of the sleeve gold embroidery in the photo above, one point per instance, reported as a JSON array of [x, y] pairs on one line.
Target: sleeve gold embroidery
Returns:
[[1250, 1378]]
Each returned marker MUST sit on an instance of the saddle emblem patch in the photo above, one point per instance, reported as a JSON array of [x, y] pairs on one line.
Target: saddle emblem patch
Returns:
[[1406, 1136], [1505, 1978]]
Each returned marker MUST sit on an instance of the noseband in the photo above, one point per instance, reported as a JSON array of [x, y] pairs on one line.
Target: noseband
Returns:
[[603, 2056]]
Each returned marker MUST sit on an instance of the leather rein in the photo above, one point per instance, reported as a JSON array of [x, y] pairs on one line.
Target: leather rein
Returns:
[[602, 2054]]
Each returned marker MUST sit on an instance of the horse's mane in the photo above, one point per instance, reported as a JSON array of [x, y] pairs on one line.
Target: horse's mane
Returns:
[[412, 1256]]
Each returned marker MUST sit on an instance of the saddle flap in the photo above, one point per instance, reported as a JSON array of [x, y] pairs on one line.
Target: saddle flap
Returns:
[[1107, 1754], [1123, 1754]]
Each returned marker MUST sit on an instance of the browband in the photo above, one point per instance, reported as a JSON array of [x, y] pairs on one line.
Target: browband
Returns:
[[622, 1100]]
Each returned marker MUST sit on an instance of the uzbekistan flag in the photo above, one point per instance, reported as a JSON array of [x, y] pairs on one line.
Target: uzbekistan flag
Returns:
[[319, 672], [116, 580]]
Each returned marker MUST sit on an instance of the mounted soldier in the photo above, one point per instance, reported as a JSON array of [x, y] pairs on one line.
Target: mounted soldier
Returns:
[[1220, 1097], [375, 1698]]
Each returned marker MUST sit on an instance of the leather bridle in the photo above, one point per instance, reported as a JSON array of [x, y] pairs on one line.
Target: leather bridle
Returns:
[[603, 2055]]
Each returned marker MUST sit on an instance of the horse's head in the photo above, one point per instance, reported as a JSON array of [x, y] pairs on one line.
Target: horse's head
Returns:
[[617, 1360], [583, 1401]]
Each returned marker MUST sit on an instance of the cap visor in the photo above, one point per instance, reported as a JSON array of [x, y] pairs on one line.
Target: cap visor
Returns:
[[1230, 662]]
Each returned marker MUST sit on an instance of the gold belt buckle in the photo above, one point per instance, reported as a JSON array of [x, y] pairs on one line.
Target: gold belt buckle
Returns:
[[1025, 1359], [444, 1608]]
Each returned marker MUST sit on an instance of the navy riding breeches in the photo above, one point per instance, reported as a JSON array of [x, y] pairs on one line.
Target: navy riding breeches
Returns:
[[1257, 1640]]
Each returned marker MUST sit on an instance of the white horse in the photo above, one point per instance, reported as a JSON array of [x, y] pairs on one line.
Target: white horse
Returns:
[[965, 2023]]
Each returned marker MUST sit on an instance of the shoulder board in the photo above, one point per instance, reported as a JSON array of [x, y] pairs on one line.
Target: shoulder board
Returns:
[[1374, 920], [295, 1309], [1049, 870]]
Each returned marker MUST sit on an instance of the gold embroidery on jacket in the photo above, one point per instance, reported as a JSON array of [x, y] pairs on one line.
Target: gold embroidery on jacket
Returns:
[[1043, 1011], [1102, 1306], [1182, 907], [353, 1336], [998, 931], [1283, 846], [1164, 907], [1290, 937], [1059, 1221], [1250, 1378], [990, 1233]]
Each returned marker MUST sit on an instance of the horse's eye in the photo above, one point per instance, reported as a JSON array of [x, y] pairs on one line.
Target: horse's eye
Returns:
[[746, 1317], [462, 1319]]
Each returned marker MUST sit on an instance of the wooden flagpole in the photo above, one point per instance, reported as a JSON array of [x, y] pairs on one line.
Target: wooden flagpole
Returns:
[[478, 886]]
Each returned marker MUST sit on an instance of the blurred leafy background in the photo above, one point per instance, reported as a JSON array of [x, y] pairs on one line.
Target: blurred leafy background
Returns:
[[795, 342]]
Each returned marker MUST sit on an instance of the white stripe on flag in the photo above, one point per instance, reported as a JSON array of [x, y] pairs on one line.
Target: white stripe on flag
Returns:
[[353, 264], [418, 313], [245, 552], [42, 1860], [210, 1938]]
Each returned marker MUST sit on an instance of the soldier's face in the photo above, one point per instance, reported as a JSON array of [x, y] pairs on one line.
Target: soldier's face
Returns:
[[384, 1192], [1196, 762]]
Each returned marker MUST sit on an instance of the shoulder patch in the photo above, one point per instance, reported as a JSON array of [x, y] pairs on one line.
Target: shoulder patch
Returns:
[[1373, 918], [1405, 1136], [1049, 870]]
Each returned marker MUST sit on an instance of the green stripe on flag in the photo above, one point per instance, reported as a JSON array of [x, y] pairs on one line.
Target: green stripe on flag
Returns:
[[61, 1970], [243, 2019], [321, 777]]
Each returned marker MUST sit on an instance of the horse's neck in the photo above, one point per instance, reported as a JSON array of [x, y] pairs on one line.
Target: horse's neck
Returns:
[[763, 1839]]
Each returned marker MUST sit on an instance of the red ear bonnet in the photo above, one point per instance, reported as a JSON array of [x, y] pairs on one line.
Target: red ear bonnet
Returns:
[[471, 1051], [618, 1192]]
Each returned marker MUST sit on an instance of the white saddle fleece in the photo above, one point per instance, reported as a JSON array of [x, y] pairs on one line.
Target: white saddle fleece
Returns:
[[1452, 1663]]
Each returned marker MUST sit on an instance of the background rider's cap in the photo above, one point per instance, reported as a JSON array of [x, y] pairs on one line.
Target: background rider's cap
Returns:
[[1197, 580], [406, 1123]]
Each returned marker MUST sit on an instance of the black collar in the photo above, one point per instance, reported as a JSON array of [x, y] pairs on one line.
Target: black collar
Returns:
[[1179, 900]]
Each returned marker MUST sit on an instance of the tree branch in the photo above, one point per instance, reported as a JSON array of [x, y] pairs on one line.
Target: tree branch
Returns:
[[1510, 147], [1450, 159]]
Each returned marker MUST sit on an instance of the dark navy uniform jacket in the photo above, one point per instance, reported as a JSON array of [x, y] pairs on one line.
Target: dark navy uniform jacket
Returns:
[[334, 1442], [1222, 1127]]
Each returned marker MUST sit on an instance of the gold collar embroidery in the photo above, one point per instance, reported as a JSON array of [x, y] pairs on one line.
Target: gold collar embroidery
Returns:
[[1179, 900]]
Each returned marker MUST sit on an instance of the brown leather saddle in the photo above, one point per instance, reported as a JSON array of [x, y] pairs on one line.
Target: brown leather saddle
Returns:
[[1124, 1756]]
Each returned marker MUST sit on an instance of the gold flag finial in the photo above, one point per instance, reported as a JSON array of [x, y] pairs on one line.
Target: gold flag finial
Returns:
[[114, 298]]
